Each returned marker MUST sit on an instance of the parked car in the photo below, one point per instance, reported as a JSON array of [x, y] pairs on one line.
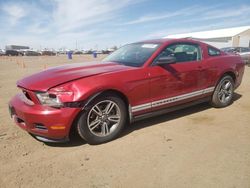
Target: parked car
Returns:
[[106, 52], [88, 52], [2, 52], [242, 51], [138, 80], [48, 53], [13, 53], [78, 52], [61, 52], [31, 53]]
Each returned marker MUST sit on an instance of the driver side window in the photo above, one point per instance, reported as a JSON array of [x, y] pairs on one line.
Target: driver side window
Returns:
[[183, 52]]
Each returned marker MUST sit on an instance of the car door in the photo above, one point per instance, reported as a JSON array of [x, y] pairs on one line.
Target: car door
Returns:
[[179, 82]]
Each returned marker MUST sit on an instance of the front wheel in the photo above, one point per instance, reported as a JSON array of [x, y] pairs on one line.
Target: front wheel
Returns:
[[223, 94], [103, 120]]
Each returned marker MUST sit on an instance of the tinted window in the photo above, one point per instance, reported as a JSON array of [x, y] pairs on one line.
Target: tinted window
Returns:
[[229, 49], [133, 54], [245, 49], [213, 51], [182, 52]]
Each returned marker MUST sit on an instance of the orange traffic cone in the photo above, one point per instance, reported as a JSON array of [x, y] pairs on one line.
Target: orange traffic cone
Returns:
[[23, 65]]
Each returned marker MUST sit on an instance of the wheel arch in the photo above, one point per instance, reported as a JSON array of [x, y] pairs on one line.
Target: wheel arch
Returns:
[[227, 73], [96, 95], [108, 92], [230, 73]]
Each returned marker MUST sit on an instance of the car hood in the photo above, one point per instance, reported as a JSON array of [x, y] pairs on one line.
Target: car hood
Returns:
[[52, 77]]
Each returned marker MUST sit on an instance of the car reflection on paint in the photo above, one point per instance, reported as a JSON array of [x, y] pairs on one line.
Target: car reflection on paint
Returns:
[[244, 52]]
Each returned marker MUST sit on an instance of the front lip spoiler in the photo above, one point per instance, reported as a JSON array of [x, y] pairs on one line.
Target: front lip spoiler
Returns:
[[50, 140]]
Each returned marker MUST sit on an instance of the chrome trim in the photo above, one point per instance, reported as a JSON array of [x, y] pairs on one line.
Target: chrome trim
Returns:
[[171, 99], [50, 140], [40, 127], [130, 113], [209, 90], [169, 109], [141, 107]]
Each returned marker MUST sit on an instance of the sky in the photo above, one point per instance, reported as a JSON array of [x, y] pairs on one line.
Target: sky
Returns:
[[100, 24]]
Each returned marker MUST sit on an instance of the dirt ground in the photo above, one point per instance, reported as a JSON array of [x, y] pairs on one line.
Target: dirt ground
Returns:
[[196, 147]]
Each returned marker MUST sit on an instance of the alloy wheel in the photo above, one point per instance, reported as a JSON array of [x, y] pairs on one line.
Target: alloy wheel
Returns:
[[103, 118], [226, 91]]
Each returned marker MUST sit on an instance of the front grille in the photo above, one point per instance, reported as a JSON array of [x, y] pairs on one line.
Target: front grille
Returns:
[[19, 120], [40, 126]]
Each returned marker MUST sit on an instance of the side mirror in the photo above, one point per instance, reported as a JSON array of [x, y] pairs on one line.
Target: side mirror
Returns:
[[166, 60]]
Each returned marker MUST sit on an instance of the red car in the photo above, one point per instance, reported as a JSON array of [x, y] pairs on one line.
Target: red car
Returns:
[[138, 80]]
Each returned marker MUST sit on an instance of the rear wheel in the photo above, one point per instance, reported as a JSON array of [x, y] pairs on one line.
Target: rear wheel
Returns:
[[223, 94], [103, 120]]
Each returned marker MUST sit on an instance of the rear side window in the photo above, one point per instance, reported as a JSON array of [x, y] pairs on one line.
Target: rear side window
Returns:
[[213, 52], [183, 52]]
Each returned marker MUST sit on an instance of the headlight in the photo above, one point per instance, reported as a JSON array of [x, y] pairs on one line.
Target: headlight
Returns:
[[55, 97], [48, 99]]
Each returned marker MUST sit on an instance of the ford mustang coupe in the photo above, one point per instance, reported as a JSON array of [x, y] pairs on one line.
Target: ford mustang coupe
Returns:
[[138, 80]]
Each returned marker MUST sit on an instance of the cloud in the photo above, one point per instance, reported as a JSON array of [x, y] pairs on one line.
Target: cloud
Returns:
[[217, 17], [71, 15], [171, 14], [15, 12], [165, 32], [37, 29], [227, 13], [195, 14], [60, 22], [57, 23]]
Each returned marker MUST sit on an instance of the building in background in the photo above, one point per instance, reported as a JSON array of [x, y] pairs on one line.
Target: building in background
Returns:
[[220, 38], [16, 47]]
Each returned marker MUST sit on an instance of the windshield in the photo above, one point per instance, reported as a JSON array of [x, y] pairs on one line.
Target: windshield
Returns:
[[133, 54]]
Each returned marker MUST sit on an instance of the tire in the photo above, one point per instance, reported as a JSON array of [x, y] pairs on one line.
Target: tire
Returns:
[[223, 93], [102, 120]]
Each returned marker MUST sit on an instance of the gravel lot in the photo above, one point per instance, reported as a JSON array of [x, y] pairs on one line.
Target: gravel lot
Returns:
[[196, 147]]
